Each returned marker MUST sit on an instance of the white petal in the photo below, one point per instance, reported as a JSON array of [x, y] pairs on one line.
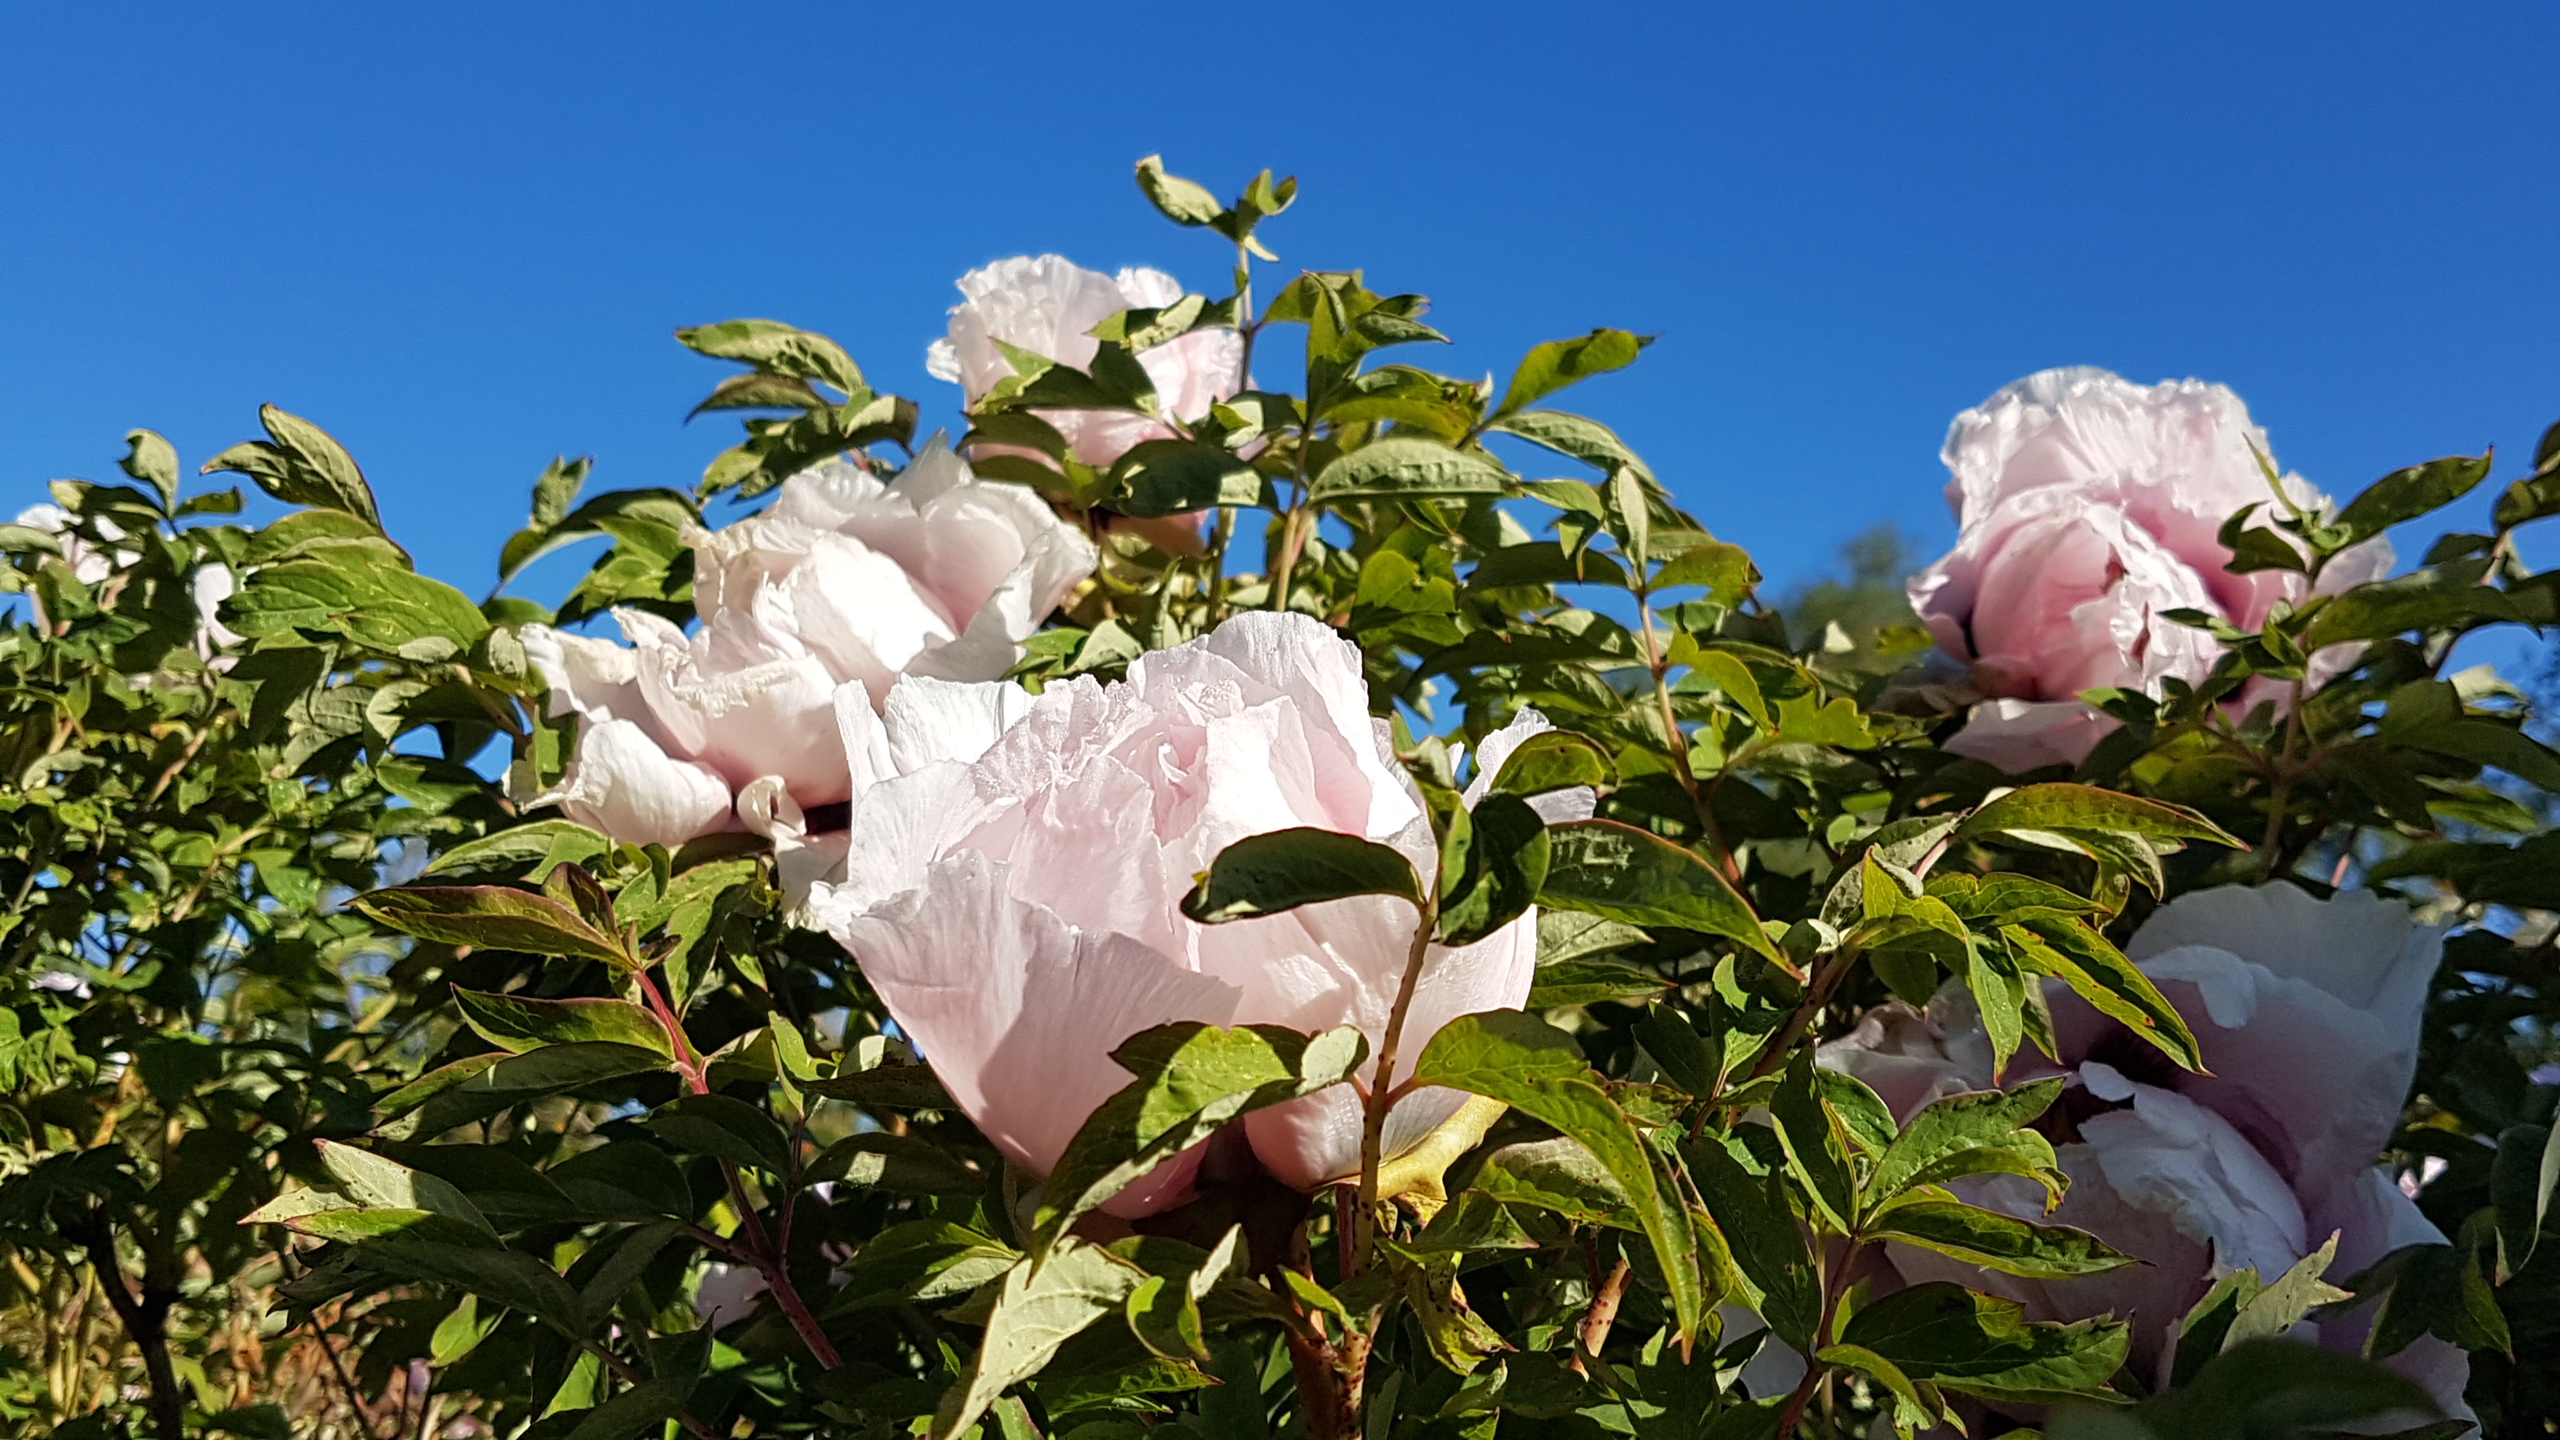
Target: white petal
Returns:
[[624, 786], [2016, 736], [1017, 1011], [930, 721]]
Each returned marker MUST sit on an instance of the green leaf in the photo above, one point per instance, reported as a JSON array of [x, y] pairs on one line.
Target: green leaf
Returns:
[[1555, 760], [724, 1127], [2239, 1308], [2064, 808], [782, 349], [494, 917], [892, 1079], [1911, 1407], [1536, 1069], [1400, 468], [509, 1277], [1552, 366], [1590, 982], [528, 851], [1617, 872], [1686, 1058], [1559, 1175], [2405, 495], [1725, 570], [385, 607], [518, 1024], [1983, 1346], [1504, 862], [1993, 1240], [2439, 597], [921, 1260], [1038, 1309], [150, 458], [1181, 201], [1932, 1148], [1192, 1079], [902, 1164], [1284, 869], [1760, 1230], [2520, 1184], [1816, 1144], [1583, 439], [482, 1085], [301, 465], [1176, 477], [643, 1408], [365, 1181], [2272, 1388], [2097, 972]]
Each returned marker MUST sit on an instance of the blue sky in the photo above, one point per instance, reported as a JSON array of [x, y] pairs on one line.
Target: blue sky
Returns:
[[458, 236]]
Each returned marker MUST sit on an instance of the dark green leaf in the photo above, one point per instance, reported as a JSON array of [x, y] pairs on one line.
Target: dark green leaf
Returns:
[[1282, 870], [1995, 1241], [2407, 494], [1617, 872]]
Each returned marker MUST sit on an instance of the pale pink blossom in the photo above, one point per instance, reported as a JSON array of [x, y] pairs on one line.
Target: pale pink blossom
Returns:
[[811, 610], [1048, 305], [2088, 508], [2307, 1013], [1017, 910]]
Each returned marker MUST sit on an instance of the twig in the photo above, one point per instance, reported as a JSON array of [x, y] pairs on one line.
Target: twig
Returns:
[[1381, 1097]]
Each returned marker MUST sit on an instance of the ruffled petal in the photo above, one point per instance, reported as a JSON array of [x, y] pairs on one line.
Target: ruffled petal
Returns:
[[622, 785], [1016, 1010]]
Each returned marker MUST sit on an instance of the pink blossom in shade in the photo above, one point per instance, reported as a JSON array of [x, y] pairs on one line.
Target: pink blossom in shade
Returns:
[[2088, 508], [1048, 305], [2307, 1013], [1018, 910], [815, 606]]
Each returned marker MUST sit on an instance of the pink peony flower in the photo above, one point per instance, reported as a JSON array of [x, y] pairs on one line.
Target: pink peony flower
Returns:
[[1049, 307], [2087, 508], [1018, 911], [811, 608], [2307, 1012]]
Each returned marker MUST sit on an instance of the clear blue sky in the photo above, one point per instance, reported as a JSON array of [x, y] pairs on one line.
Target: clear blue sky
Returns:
[[459, 235]]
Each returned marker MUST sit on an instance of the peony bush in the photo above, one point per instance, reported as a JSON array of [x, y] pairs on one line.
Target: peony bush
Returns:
[[1248, 887]]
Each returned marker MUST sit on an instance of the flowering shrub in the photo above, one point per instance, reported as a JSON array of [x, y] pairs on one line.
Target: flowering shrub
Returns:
[[1331, 909]]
